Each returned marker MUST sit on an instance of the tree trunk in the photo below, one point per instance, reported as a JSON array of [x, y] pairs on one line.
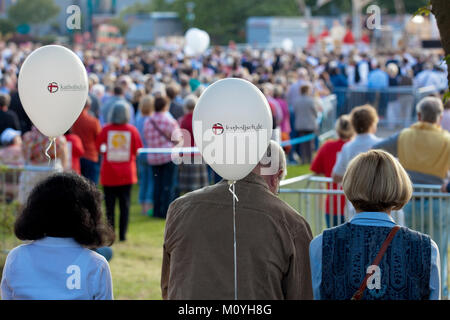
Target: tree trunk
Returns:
[[399, 7], [441, 10]]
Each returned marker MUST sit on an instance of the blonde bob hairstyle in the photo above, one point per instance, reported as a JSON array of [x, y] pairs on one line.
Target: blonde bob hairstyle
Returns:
[[146, 105], [376, 182]]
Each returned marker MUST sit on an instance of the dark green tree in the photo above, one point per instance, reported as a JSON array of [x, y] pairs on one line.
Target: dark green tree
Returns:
[[226, 20], [7, 26], [223, 20], [32, 12], [345, 6]]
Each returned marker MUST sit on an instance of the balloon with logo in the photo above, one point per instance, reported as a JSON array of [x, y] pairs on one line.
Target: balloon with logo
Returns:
[[197, 41], [53, 88], [232, 126]]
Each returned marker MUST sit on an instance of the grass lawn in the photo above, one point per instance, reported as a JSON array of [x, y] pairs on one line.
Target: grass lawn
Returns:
[[136, 263]]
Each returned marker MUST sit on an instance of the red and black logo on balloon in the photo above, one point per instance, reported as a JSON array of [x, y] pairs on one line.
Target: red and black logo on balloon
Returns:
[[217, 129], [52, 87]]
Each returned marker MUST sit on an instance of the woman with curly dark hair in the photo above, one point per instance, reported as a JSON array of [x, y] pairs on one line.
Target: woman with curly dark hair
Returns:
[[62, 219]]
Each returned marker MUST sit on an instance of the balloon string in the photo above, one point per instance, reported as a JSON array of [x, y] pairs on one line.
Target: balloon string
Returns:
[[235, 198], [52, 141], [54, 147]]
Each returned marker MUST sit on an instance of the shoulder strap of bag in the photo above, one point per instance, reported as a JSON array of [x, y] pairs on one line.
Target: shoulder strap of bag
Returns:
[[159, 130], [359, 294]]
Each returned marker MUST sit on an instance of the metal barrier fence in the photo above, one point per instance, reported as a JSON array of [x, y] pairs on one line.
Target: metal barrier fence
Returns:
[[428, 210], [395, 105], [326, 121]]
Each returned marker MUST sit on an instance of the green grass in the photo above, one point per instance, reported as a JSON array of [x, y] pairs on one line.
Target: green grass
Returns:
[[136, 263], [295, 171]]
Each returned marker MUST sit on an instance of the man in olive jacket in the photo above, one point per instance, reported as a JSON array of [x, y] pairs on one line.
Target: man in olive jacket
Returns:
[[272, 242]]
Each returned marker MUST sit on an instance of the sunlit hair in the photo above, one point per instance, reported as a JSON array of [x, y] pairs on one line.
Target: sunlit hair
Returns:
[[189, 102], [430, 109], [146, 105], [363, 117], [344, 127], [376, 181]]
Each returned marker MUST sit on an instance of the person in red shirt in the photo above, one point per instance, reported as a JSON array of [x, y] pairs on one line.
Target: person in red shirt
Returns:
[[348, 38], [87, 127], [119, 142], [311, 40], [76, 150], [324, 161], [325, 33]]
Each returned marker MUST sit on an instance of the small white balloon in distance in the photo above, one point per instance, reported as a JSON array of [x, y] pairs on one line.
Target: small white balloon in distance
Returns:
[[197, 41], [232, 126], [188, 51], [287, 44], [53, 88]]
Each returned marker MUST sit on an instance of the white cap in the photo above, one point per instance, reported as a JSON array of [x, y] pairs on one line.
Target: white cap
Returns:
[[8, 135]]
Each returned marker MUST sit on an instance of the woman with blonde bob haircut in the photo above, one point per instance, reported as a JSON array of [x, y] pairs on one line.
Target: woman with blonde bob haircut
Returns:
[[374, 181], [371, 257]]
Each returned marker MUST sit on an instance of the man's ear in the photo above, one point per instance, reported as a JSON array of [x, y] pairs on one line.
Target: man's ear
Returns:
[[280, 174], [274, 179]]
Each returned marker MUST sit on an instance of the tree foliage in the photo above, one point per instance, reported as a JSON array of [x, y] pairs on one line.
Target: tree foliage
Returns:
[[226, 20], [121, 25], [223, 20], [6, 26], [441, 10], [345, 6], [32, 12]]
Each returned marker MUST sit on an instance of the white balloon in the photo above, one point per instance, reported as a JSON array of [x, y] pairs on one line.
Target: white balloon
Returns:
[[232, 126], [197, 40], [188, 51], [53, 87]]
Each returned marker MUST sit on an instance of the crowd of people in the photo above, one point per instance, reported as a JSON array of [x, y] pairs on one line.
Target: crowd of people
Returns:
[[141, 98]]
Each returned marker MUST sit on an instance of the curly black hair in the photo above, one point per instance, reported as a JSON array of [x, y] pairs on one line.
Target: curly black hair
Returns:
[[65, 205]]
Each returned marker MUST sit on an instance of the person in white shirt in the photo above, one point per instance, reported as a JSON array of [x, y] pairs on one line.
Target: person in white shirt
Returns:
[[363, 70], [364, 120], [62, 219], [429, 77]]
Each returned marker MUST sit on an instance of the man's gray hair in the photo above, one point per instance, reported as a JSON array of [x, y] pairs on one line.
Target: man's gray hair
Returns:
[[120, 113], [430, 109], [88, 102], [274, 152], [189, 102]]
